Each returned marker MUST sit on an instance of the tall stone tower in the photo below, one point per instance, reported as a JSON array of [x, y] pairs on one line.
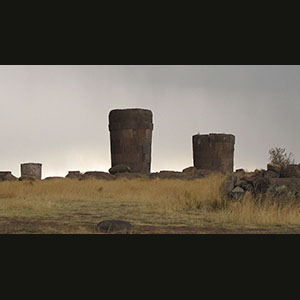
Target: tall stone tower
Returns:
[[131, 138], [214, 151]]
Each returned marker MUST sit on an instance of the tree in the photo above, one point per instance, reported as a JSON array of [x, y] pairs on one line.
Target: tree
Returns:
[[278, 156]]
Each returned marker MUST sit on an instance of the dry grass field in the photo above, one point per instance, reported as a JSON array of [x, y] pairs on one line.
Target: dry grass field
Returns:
[[69, 206]]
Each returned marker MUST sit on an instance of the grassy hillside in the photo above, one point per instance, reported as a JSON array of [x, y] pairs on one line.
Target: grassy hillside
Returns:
[[153, 206]]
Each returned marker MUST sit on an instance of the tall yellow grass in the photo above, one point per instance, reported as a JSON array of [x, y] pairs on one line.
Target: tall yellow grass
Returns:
[[164, 197]]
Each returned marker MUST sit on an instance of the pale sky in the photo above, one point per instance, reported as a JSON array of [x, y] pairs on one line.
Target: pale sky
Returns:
[[58, 115]]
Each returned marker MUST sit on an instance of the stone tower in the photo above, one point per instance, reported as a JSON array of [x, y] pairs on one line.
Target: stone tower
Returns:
[[31, 170], [214, 151], [131, 138]]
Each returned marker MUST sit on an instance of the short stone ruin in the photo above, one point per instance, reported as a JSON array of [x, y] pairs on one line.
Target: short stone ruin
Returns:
[[7, 176], [31, 171], [214, 151]]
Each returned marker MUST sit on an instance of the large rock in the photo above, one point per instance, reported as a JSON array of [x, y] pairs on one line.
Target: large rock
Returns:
[[237, 192], [119, 169], [261, 185], [288, 187], [259, 173], [274, 167], [290, 171], [74, 175], [271, 174], [98, 175], [240, 172], [108, 226], [227, 185]]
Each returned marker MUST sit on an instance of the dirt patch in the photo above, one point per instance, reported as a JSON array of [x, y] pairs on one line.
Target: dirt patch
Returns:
[[63, 226]]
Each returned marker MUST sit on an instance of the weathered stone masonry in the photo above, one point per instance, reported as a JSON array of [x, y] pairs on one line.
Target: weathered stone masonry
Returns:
[[31, 170], [131, 138], [214, 151]]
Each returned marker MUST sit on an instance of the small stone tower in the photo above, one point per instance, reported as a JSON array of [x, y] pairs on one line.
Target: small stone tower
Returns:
[[131, 138], [214, 151], [31, 171]]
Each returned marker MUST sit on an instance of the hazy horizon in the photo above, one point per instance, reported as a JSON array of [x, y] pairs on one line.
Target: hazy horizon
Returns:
[[58, 115]]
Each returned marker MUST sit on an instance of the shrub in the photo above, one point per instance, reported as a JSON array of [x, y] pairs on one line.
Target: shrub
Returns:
[[280, 157]]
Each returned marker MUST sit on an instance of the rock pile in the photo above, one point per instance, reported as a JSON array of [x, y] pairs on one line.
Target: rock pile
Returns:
[[123, 171], [275, 181]]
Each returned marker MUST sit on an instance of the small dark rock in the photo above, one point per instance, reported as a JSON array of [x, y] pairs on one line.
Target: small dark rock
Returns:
[[113, 226]]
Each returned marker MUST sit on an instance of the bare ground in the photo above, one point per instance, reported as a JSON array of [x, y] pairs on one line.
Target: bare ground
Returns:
[[42, 225]]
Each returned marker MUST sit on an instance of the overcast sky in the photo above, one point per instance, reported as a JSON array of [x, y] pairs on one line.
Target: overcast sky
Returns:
[[58, 115]]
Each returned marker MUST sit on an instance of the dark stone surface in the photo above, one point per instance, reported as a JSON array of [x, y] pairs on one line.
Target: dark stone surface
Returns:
[[108, 226], [261, 185], [54, 177], [214, 151], [31, 170], [97, 175], [131, 138], [74, 175], [290, 171], [274, 167], [271, 174], [119, 169], [27, 178], [189, 170], [7, 176], [131, 176]]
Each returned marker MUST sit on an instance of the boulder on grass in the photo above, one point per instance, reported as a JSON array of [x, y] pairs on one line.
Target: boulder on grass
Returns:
[[108, 226]]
